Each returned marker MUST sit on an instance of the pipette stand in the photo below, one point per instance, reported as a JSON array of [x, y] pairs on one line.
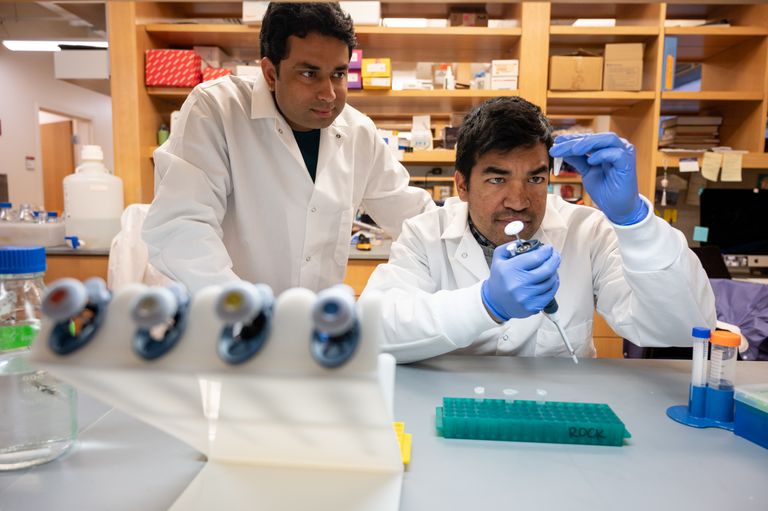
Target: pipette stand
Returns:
[[280, 431], [707, 408]]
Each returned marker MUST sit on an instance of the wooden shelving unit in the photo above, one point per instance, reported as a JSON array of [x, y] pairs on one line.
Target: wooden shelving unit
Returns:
[[727, 55]]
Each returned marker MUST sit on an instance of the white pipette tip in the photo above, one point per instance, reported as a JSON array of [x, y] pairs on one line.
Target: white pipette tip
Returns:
[[514, 228], [557, 163]]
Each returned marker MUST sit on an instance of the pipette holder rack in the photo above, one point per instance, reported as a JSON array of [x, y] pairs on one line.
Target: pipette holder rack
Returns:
[[707, 408], [280, 431]]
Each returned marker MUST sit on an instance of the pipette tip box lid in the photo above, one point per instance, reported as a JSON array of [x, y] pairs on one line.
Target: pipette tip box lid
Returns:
[[750, 419], [530, 421]]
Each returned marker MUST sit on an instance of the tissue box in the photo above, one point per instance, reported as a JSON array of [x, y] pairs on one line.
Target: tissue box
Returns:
[[211, 73], [172, 68], [575, 73], [377, 82], [356, 60], [623, 69], [212, 56], [377, 67]]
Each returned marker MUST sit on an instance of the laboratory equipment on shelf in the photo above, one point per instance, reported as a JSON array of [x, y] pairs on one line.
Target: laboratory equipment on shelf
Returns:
[[518, 247], [710, 402], [39, 412], [278, 421], [93, 200]]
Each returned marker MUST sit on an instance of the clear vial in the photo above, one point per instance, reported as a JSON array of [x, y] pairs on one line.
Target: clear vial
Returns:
[[722, 360], [6, 212], [38, 412]]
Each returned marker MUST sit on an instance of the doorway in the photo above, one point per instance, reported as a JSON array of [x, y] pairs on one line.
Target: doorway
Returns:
[[61, 136]]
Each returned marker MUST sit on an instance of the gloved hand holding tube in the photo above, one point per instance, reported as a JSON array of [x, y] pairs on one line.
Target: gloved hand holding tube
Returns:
[[523, 285], [607, 167]]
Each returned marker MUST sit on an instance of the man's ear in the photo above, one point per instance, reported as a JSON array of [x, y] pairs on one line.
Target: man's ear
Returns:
[[462, 186], [269, 70]]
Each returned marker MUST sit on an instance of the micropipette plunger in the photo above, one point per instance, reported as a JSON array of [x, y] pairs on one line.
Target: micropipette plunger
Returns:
[[550, 311]]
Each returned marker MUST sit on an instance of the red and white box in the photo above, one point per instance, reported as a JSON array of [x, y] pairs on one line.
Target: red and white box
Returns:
[[172, 68], [211, 73]]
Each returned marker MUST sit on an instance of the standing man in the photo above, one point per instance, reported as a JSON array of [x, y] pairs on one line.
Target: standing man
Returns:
[[451, 285], [261, 178]]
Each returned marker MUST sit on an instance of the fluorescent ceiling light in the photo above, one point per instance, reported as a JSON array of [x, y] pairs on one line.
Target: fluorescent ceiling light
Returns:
[[49, 45]]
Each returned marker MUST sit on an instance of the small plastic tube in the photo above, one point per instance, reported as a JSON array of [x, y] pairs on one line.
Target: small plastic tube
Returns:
[[722, 369], [699, 366], [557, 164]]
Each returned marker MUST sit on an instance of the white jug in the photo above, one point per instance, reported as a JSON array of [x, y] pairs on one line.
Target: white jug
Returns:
[[93, 201]]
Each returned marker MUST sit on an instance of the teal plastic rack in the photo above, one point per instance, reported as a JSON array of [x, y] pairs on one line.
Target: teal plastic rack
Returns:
[[530, 421]]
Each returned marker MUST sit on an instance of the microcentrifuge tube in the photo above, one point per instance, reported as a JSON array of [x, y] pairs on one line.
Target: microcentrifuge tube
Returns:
[[557, 163]]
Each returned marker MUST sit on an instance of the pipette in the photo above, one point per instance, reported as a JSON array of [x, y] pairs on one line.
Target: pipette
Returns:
[[550, 311]]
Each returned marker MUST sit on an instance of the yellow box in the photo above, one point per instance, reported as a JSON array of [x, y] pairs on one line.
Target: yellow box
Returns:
[[376, 67], [575, 73], [377, 83]]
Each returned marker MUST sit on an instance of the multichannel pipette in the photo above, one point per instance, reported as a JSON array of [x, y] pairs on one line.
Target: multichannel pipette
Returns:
[[550, 311]]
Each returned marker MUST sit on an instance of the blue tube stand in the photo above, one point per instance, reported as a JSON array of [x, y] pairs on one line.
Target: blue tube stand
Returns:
[[707, 408]]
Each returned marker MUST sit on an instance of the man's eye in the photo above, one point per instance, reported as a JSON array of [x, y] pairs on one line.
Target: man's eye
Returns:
[[308, 74], [496, 180], [339, 74], [537, 180]]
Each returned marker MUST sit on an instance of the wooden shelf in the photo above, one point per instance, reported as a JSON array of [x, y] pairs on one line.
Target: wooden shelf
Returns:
[[749, 161], [701, 43], [565, 180], [713, 96], [400, 44], [432, 179], [594, 102], [374, 102], [563, 34], [434, 157]]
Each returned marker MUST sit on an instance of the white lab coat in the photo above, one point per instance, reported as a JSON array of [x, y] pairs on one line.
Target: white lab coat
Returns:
[[642, 279], [235, 199]]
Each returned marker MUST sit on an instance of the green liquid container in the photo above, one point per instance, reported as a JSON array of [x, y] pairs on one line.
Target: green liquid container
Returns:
[[530, 421]]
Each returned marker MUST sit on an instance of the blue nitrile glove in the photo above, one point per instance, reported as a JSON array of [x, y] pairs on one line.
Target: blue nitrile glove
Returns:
[[607, 167], [523, 285]]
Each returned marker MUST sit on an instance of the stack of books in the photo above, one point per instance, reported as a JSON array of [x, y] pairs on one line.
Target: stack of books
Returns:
[[691, 132]]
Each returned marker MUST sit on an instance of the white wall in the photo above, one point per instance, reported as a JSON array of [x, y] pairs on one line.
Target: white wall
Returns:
[[26, 85]]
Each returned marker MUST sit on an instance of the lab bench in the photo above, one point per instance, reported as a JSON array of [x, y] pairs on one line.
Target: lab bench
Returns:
[[121, 463]]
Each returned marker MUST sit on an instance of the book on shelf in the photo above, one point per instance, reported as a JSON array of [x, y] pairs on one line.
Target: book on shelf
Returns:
[[692, 120], [692, 130]]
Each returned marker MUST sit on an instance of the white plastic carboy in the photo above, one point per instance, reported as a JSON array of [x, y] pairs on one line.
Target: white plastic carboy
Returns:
[[93, 200]]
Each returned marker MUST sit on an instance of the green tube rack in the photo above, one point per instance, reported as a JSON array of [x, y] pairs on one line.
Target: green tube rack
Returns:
[[530, 421]]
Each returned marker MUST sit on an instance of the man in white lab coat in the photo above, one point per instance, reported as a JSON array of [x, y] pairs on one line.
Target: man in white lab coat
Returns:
[[451, 285], [261, 178]]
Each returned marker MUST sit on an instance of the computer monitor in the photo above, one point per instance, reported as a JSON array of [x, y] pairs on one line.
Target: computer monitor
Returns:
[[737, 220]]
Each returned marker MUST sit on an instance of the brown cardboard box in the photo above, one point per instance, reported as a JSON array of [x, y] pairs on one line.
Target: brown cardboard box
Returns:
[[567, 72], [623, 67], [469, 19]]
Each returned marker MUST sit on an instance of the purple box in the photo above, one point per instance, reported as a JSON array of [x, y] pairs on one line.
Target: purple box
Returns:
[[356, 60], [354, 80]]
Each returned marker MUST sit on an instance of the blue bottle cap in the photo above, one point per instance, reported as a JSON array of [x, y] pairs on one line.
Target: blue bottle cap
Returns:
[[5, 205], [701, 332], [19, 260]]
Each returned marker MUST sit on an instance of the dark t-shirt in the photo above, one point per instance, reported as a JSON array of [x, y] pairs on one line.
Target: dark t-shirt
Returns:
[[309, 145]]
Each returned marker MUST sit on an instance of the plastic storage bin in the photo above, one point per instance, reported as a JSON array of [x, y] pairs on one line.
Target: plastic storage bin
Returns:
[[751, 414]]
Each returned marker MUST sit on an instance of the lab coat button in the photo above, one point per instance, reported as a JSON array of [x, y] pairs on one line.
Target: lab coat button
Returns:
[[463, 255], [338, 136], [308, 258], [280, 130], [505, 337], [313, 210]]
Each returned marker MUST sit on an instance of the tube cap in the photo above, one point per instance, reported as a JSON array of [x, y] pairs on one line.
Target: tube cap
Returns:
[[701, 332], [724, 338], [20, 260]]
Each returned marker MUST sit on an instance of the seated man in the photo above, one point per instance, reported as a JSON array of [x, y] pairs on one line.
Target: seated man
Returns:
[[451, 285]]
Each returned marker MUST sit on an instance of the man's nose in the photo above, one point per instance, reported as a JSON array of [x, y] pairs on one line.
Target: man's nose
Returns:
[[516, 197], [325, 91]]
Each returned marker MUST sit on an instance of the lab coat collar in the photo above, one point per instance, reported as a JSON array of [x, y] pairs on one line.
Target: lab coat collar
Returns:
[[467, 253], [263, 104]]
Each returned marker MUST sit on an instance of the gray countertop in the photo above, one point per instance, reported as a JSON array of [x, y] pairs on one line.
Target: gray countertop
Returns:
[[121, 463]]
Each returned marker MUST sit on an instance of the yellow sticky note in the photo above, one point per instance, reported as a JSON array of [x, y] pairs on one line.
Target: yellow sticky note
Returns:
[[731, 167], [710, 167]]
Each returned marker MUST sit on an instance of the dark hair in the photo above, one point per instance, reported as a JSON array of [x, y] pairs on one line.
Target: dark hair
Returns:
[[283, 20], [500, 124]]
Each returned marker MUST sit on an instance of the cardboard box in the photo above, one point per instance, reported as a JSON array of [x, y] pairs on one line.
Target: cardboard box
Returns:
[[363, 13], [356, 60], [568, 72], [508, 67], [172, 68], [468, 19], [377, 67], [623, 67], [354, 80], [377, 82], [504, 82]]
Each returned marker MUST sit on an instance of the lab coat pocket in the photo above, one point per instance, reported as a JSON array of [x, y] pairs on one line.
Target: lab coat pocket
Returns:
[[550, 344], [344, 236]]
